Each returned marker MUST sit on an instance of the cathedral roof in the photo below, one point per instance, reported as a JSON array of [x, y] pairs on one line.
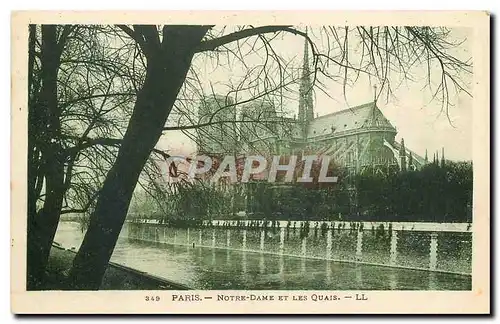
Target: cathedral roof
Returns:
[[366, 116]]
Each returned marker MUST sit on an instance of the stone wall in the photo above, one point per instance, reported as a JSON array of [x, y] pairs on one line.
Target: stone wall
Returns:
[[426, 246]]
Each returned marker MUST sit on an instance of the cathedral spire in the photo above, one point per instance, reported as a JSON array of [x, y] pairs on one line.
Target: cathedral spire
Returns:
[[306, 111]]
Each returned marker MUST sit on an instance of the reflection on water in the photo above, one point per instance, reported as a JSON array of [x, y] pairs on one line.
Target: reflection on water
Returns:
[[212, 268], [393, 281]]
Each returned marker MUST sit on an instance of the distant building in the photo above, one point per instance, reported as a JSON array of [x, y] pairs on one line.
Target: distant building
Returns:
[[220, 134], [357, 138]]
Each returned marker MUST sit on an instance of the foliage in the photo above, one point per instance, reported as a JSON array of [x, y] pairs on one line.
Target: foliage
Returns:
[[434, 193]]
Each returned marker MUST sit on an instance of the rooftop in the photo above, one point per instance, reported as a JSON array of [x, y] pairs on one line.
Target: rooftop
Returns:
[[364, 116]]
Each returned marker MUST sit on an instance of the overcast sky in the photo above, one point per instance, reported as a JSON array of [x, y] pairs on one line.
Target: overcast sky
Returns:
[[417, 118]]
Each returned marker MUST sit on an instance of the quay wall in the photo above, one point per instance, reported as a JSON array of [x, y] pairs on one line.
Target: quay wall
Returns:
[[441, 247]]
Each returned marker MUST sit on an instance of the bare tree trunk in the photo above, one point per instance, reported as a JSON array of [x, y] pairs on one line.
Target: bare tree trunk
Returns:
[[34, 165], [34, 158], [45, 130], [168, 64]]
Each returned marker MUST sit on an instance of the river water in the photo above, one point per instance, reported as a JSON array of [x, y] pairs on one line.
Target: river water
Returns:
[[216, 268]]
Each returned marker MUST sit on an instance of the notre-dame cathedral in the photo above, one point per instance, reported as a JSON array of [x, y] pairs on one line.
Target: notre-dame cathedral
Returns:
[[356, 138]]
